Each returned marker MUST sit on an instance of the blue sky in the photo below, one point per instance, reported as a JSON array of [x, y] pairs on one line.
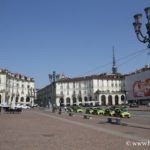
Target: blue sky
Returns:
[[74, 37]]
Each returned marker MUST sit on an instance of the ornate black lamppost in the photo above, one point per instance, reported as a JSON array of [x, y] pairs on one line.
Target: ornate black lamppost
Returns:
[[53, 78], [137, 27]]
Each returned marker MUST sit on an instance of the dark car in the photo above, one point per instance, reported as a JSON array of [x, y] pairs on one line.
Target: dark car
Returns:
[[134, 105]]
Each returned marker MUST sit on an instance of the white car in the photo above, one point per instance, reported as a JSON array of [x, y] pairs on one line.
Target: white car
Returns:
[[4, 105], [25, 107], [22, 106], [18, 106]]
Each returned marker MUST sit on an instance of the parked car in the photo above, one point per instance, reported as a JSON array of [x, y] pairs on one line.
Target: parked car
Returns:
[[148, 104], [4, 105], [78, 109], [89, 110], [122, 113], [23, 106], [18, 106], [69, 109], [134, 105], [109, 112], [98, 111]]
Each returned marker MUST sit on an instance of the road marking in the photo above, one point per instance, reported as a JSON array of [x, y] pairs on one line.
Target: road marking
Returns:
[[100, 129]]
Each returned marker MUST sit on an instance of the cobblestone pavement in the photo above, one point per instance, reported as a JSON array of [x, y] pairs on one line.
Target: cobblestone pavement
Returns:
[[43, 130]]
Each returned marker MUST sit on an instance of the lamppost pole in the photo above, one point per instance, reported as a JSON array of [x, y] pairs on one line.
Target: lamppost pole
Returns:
[[53, 78], [137, 27]]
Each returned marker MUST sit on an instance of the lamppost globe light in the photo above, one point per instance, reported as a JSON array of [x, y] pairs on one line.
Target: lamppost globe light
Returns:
[[57, 77], [138, 18], [137, 27], [148, 29], [147, 12]]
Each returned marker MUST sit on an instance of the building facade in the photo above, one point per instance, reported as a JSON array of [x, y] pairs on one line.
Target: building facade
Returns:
[[16, 88], [103, 89], [137, 86]]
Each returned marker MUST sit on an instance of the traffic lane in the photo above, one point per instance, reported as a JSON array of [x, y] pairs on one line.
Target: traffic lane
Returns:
[[139, 120], [142, 118], [141, 114], [134, 118], [126, 128], [35, 131]]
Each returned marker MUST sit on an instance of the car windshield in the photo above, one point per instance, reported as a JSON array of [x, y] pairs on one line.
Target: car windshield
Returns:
[[124, 110]]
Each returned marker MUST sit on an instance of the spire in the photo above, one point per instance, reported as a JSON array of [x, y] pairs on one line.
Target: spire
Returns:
[[114, 68]]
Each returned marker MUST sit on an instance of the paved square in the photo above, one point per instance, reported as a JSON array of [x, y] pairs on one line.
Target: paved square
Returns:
[[39, 130]]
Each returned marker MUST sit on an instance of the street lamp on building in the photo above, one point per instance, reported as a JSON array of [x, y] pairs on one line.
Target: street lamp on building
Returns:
[[137, 27]]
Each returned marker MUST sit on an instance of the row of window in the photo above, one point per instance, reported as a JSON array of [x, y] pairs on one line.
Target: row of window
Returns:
[[84, 92], [17, 85], [22, 99], [103, 85]]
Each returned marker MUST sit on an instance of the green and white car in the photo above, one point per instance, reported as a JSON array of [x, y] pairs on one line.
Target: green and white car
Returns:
[[78, 109], [122, 113], [109, 112], [89, 110], [98, 111]]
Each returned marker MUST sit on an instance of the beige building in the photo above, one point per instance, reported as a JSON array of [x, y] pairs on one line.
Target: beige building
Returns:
[[102, 89], [16, 88]]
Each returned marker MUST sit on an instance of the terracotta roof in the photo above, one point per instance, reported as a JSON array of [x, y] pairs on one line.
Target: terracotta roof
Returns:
[[15, 75], [99, 76]]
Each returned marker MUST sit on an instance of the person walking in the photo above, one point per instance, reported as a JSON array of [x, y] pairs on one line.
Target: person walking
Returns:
[[60, 110]]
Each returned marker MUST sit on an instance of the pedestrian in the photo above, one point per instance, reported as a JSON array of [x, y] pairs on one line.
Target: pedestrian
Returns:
[[60, 110], [12, 107], [53, 108]]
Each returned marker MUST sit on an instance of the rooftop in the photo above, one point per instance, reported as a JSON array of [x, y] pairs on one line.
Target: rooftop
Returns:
[[98, 76], [146, 68], [16, 75]]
